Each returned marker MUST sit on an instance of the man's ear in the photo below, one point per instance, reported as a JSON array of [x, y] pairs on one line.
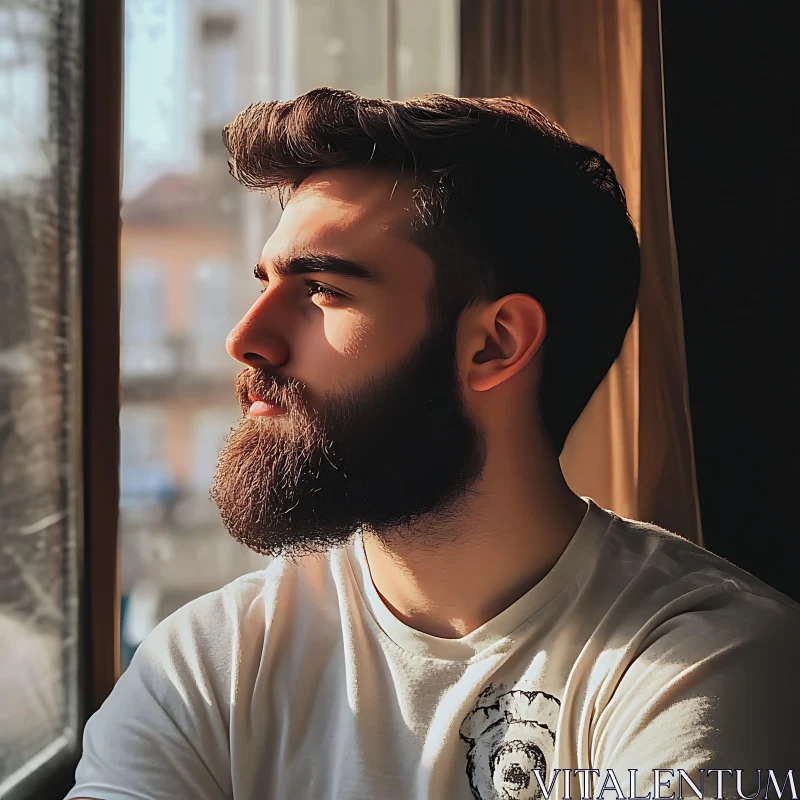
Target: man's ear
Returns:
[[499, 339]]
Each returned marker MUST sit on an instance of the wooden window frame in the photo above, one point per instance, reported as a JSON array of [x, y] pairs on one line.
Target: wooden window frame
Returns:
[[101, 297]]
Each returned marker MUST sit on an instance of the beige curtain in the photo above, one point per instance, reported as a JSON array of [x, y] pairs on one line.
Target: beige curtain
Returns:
[[595, 67]]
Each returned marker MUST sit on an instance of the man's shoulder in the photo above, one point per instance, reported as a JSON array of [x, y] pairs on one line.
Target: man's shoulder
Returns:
[[222, 607], [223, 611], [654, 556], [703, 653], [241, 612], [199, 635]]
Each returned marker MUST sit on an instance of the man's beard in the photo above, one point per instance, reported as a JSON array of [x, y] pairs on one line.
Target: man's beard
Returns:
[[395, 451]]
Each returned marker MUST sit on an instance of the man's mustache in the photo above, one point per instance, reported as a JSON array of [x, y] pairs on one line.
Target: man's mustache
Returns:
[[259, 384]]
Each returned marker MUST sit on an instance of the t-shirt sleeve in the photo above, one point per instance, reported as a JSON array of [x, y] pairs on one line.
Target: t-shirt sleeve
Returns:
[[162, 734], [711, 689]]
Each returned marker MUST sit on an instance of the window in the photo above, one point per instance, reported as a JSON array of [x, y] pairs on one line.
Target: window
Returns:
[[145, 475], [145, 349], [213, 314], [209, 430], [41, 486]]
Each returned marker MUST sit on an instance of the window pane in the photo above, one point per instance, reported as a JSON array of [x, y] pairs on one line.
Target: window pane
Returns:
[[39, 390], [191, 235]]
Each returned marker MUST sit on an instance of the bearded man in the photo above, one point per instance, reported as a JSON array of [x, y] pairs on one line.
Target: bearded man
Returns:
[[450, 281]]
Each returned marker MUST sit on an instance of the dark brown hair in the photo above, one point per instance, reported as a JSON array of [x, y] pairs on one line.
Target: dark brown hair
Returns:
[[505, 202]]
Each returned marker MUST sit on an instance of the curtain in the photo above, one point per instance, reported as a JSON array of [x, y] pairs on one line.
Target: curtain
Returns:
[[594, 66]]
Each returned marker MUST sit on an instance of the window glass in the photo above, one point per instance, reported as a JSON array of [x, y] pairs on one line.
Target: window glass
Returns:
[[40, 465], [191, 235]]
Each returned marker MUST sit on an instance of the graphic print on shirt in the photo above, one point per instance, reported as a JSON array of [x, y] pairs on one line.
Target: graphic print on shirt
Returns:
[[509, 738]]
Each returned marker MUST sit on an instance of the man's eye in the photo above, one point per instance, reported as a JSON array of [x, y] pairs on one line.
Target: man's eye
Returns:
[[315, 288]]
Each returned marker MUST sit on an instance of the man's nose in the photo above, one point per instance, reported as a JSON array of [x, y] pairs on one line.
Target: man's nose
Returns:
[[256, 340]]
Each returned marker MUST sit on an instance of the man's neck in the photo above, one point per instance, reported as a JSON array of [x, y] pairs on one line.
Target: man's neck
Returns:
[[450, 579]]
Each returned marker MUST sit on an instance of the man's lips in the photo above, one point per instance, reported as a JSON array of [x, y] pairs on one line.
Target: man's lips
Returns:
[[259, 407], [262, 409]]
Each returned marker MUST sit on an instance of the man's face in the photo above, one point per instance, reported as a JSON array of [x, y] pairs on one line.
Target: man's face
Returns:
[[353, 411]]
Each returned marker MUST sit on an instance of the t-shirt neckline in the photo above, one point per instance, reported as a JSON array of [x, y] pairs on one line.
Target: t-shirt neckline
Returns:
[[488, 636]]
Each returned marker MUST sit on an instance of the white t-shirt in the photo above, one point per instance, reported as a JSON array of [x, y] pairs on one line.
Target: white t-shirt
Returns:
[[638, 650]]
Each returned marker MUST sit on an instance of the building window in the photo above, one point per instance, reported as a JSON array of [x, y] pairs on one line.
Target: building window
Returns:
[[213, 314], [146, 479], [209, 430], [145, 351], [220, 60]]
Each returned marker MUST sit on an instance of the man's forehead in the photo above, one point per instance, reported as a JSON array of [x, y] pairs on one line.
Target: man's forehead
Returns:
[[347, 205], [356, 195], [351, 213]]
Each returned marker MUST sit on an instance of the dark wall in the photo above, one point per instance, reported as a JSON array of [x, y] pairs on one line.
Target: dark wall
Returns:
[[731, 103]]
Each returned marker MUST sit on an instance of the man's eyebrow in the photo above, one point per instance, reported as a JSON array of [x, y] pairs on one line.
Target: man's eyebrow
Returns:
[[305, 263]]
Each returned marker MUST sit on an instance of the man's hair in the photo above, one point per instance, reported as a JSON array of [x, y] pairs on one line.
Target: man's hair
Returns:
[[504, 202]]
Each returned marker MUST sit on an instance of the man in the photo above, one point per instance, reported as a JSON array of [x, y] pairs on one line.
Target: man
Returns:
[[448, 284]]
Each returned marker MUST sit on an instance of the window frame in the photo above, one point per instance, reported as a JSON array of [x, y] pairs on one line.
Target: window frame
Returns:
[[94, 410], [100, 229]]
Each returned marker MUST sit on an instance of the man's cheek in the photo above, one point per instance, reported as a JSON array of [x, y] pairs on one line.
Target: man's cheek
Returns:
[[350, 335]]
